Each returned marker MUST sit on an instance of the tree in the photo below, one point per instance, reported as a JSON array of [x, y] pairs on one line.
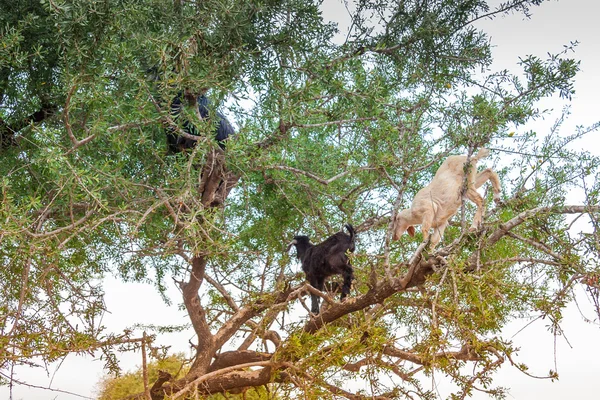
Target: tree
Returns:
[[328, 133]]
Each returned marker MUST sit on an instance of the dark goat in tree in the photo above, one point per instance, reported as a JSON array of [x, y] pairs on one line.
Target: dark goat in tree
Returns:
[[216, 180], [324, 260], [178, 143]]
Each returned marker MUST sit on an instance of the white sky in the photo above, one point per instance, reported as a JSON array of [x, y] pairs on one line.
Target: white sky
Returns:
[[552, 25]]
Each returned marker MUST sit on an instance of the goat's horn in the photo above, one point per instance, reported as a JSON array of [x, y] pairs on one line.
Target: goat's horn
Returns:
[[293, 242]]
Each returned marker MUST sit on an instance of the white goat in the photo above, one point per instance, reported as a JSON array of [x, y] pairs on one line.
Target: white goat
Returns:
[[437, 202]]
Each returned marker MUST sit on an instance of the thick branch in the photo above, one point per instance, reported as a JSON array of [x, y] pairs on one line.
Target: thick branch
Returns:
[[231, 358], [414, 277], [156, 391], [204, 350], [225, 380], [212, 175]]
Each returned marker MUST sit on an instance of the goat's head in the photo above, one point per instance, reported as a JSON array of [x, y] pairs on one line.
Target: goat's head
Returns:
[[302, 242], [402, 225]]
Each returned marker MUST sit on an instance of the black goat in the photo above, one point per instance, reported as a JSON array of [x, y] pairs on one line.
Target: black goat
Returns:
[[178, 143], [324, 260]]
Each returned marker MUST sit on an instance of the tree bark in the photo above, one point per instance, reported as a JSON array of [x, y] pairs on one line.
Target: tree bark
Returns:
[[205, 346], [231, 358]]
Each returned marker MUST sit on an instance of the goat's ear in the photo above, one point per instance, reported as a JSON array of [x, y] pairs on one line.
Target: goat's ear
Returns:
[[411, 230]]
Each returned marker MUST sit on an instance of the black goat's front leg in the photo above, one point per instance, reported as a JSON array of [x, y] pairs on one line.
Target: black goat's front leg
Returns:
[[348, 276], [317, 283]]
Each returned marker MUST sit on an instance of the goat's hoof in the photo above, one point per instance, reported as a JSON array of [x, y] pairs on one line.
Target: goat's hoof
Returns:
[[473, 229]]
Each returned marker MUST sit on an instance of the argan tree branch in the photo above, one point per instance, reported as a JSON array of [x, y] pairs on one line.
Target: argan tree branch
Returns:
[[197, 314]]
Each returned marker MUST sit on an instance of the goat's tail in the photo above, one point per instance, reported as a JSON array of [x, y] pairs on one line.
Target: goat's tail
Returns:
[[482, 153], [351, 231]]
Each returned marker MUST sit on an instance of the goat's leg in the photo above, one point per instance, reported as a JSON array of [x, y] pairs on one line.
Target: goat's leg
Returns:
[[427, 223], [317, 283], [348, 275], [438, 234], [476, 198], [489, 174]]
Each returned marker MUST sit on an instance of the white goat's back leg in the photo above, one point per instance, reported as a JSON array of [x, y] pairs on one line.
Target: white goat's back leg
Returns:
[[489, 174], [476, 198]]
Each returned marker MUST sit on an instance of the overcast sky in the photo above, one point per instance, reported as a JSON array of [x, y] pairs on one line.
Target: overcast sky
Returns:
[[552, 25]]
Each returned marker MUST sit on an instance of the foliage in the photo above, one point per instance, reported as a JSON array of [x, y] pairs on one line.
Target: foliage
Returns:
[[129, 383], [331, 130]]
